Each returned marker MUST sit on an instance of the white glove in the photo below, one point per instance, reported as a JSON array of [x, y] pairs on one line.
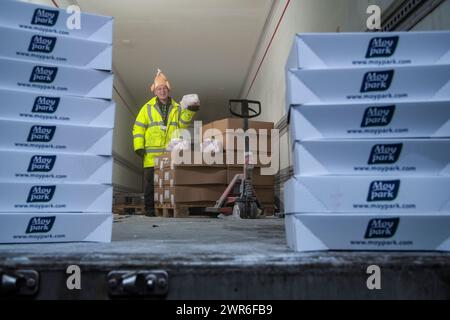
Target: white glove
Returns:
[[210, 146], [189, 100], [178, 144]]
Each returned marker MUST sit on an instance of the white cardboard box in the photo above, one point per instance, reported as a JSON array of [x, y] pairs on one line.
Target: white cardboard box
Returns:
[[51, 227], [54, 49], [367, 194], [54, 21], [366, 85], [376, 120], [399, 232], [368, 49], [54, 167], [26, 106], [32, 136], [46, 197], [54, 79], [414, 157]]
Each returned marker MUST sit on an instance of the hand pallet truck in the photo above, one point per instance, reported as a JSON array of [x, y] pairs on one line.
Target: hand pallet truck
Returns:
[[239, 198]]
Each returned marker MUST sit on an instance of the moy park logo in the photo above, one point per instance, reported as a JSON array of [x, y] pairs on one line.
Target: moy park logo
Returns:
[[41, 74], [383, 190], [41, 194], [382, 228], [382, 47], [385, 153], [42, 44], [378, 116], [45, 17], [40, 163], [377, 81], [45, 104], [40, 224], [41, 133]]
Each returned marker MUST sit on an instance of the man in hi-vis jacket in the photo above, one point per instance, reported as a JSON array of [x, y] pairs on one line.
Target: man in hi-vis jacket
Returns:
[[155, 126]]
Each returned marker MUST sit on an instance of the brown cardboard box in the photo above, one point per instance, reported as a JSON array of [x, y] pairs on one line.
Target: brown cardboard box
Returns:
[[221, 160], [194, 176], [165, 161], [189, 194], [207, 126], [237, 159], [232, 141], [235, 123], [235, 141], [156, 176], [158, 195], [257, 178]]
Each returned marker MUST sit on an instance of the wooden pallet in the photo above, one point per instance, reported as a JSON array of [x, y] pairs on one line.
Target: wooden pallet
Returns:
[[183, 210], [269, 210], [124, 209], [186, 210], [135, 199]]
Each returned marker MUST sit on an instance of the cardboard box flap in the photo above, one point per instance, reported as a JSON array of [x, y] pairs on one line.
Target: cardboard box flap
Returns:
[[51, 20], [53, 197], [295, 192], [54, 49], [371, 120], [444, 246], [54, 167], [55, 227], [26, 136], [104, 32], [406, 157], [367, 194], [103, 89], [368, 85], [26, 106], [404, 232], [102, 202], [309, 240], [196, 175], [54, 79], [103, 61], [353, 50]]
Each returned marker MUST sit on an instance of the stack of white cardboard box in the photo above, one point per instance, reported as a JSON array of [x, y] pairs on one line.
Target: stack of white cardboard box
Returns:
[[370, 128], [56, 125]]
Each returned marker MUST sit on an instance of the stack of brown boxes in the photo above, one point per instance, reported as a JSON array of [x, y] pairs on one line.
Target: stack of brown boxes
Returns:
[[200, 183], [187, 184], [232, 140]]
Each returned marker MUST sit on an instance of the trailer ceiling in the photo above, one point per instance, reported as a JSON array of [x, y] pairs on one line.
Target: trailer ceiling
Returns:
[[203, 46]]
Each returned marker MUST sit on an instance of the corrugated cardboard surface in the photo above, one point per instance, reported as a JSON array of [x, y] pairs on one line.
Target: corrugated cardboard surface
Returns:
[[257, 178], [186, 194], [221, 160], [165, 161], [234, 124], [208, 193], [194, 176]]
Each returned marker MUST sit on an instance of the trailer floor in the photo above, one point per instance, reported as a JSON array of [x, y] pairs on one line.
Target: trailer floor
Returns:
[[209, 258]]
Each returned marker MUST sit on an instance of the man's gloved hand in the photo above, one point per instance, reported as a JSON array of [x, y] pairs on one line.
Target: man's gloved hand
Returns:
[[140, 152], [178, 144], [190, 100]]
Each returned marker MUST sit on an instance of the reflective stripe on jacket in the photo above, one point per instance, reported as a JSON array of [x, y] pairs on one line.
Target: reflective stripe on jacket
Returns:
[[150, 132]]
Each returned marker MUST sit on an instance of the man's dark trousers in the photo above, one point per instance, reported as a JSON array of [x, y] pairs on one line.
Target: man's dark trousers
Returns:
[[149, 191]]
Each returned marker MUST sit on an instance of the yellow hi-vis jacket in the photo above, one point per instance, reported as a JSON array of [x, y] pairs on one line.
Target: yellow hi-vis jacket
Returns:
[[151, 134]]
